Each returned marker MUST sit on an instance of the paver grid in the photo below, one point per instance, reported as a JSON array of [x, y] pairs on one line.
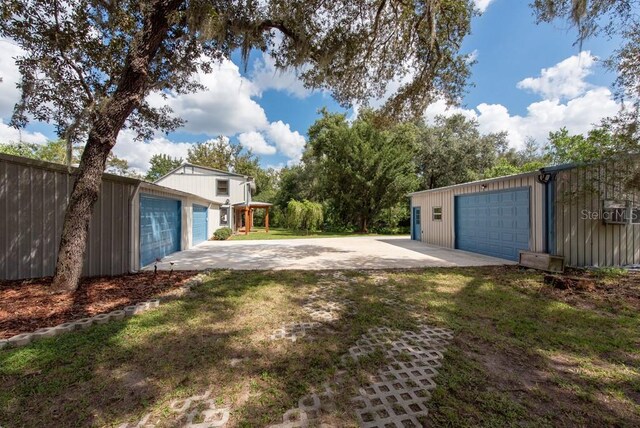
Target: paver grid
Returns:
[[187, 411], [398, 395], [400, 391], [323, 305]]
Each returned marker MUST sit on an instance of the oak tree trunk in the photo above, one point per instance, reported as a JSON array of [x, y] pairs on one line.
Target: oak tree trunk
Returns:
[[105, 126], [363, 225], [78, 215]]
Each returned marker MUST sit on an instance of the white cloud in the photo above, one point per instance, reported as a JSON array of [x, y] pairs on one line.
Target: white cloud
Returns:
[[225, 107], [277, 167], [256, 143], [9, 134], [9, 94], [138, 153], [578, 115], [440, 108], [585, 106], [266, 76], [473, 56], [289, 143], [482, 5], [564, 80]]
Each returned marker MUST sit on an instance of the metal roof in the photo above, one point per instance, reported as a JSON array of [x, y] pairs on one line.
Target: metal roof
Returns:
[[51, 166], [485, 181], [253, 204], [205, 168], [548, 169]]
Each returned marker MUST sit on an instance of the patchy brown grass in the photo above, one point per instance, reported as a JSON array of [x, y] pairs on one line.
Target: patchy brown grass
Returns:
[[523, 354]]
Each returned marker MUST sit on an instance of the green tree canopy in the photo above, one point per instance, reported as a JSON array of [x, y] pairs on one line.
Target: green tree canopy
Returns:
[[512, 161], [453, 151], [563, 147], [56, 151], [221, 154], [160, 165], [360, 169]]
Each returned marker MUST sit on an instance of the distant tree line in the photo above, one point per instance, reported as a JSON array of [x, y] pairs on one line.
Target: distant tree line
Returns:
[[355, 175], [56, 151]]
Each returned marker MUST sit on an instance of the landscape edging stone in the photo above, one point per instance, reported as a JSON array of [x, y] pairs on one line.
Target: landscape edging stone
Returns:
[[24, 339]]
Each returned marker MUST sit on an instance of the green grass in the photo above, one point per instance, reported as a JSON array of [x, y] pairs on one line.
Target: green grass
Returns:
[[260, 234], [520, 356], [610, 272]]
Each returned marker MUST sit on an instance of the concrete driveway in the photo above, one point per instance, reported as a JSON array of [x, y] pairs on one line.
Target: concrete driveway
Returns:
[[371, 252]]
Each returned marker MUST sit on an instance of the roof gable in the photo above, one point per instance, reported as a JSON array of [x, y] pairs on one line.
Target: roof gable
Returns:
[[189, 169]]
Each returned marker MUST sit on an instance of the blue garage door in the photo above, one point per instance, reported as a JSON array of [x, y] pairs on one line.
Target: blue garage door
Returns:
[[199, 224], [493, 223], [159, 228]]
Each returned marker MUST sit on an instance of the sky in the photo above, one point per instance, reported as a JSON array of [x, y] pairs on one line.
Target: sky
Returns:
[[528, 80]]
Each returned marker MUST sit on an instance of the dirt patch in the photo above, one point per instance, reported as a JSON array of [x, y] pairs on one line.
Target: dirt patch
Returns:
[[28, 305], [617, 293], [603, 293]]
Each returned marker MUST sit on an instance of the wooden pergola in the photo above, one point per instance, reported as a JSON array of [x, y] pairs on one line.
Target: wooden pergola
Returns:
[[243, 211]]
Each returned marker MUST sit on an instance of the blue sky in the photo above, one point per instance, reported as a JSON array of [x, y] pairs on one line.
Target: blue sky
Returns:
[[528, 80]]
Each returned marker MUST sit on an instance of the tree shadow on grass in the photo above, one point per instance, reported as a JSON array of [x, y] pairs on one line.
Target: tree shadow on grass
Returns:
[[119, 371], [502, 367], [521, 357]]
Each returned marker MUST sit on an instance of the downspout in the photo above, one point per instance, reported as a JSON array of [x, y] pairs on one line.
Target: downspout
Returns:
[[548, 179], [551, 215], [132, 229]]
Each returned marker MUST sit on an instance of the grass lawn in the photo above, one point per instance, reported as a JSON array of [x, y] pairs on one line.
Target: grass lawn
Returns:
[[522, 354], [260, 234]]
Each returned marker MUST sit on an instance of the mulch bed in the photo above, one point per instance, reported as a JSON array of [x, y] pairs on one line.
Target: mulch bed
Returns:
[[28, 305]]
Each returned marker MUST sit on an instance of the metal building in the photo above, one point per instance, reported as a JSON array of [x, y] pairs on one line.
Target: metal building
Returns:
[[557, 210], [131, 225]]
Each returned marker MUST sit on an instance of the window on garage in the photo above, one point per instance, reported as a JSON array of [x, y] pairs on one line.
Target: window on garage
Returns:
[[222, 188], [436, 214]]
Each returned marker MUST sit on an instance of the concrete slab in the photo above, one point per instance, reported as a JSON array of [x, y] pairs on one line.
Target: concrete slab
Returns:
[[368, 252]]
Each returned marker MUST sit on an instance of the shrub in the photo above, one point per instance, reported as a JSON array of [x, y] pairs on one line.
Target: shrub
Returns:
[[312, 215], [222, 234], [306, 216], [294, 215]]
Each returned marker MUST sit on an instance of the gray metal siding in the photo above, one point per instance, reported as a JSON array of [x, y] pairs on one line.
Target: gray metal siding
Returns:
[[33, 200], [591, 242]]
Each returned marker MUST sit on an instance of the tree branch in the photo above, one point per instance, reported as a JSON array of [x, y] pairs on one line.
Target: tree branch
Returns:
[[74, 67]]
